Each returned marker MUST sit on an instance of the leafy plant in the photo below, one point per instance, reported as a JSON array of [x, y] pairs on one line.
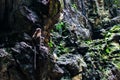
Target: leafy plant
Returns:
[[74, 6], [107, 50], [115, 29], [117, 2], [50, 44], [59, 26], [99, 57]]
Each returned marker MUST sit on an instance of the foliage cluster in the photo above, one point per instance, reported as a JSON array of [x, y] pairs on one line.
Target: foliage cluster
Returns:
[[100, 57], [117, 3]]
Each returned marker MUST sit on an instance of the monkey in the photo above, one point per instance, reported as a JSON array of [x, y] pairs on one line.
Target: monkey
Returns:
[[37, 33], [36, 43], [37, 37]]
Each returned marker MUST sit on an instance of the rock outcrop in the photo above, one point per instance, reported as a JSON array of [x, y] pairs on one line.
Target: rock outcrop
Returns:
[[18, 16], [21, 56]]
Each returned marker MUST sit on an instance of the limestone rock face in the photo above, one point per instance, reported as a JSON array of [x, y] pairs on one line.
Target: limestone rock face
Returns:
[[26, 61], [21, 58], [17, 16]]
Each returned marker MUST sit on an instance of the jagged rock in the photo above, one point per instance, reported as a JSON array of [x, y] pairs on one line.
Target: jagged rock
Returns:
[[25, 16], [28, 61], [25, 62], [78, 77], [116, 20], [75, 14], [114, 74], [70, 63], [18, 20], [3, 53], [5, 59], [57, 73]]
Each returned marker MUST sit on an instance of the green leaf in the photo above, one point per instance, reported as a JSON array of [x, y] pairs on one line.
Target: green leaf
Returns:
[[50, 43], [108, 50], [59, 25], [74, 6]]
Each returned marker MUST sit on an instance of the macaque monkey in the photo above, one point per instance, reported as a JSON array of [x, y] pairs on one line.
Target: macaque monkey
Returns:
[[37, 34], [36, 43]]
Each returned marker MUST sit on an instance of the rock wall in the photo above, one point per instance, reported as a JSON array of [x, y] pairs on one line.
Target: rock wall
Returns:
[[24, 30], [18, 16]]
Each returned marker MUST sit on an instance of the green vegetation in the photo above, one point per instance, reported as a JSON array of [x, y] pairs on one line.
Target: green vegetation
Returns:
[[59, 26], [101, 56], [74, 6], [117, 3]]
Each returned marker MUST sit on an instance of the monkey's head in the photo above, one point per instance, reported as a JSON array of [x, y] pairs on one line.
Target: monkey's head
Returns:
[[37, 33]]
